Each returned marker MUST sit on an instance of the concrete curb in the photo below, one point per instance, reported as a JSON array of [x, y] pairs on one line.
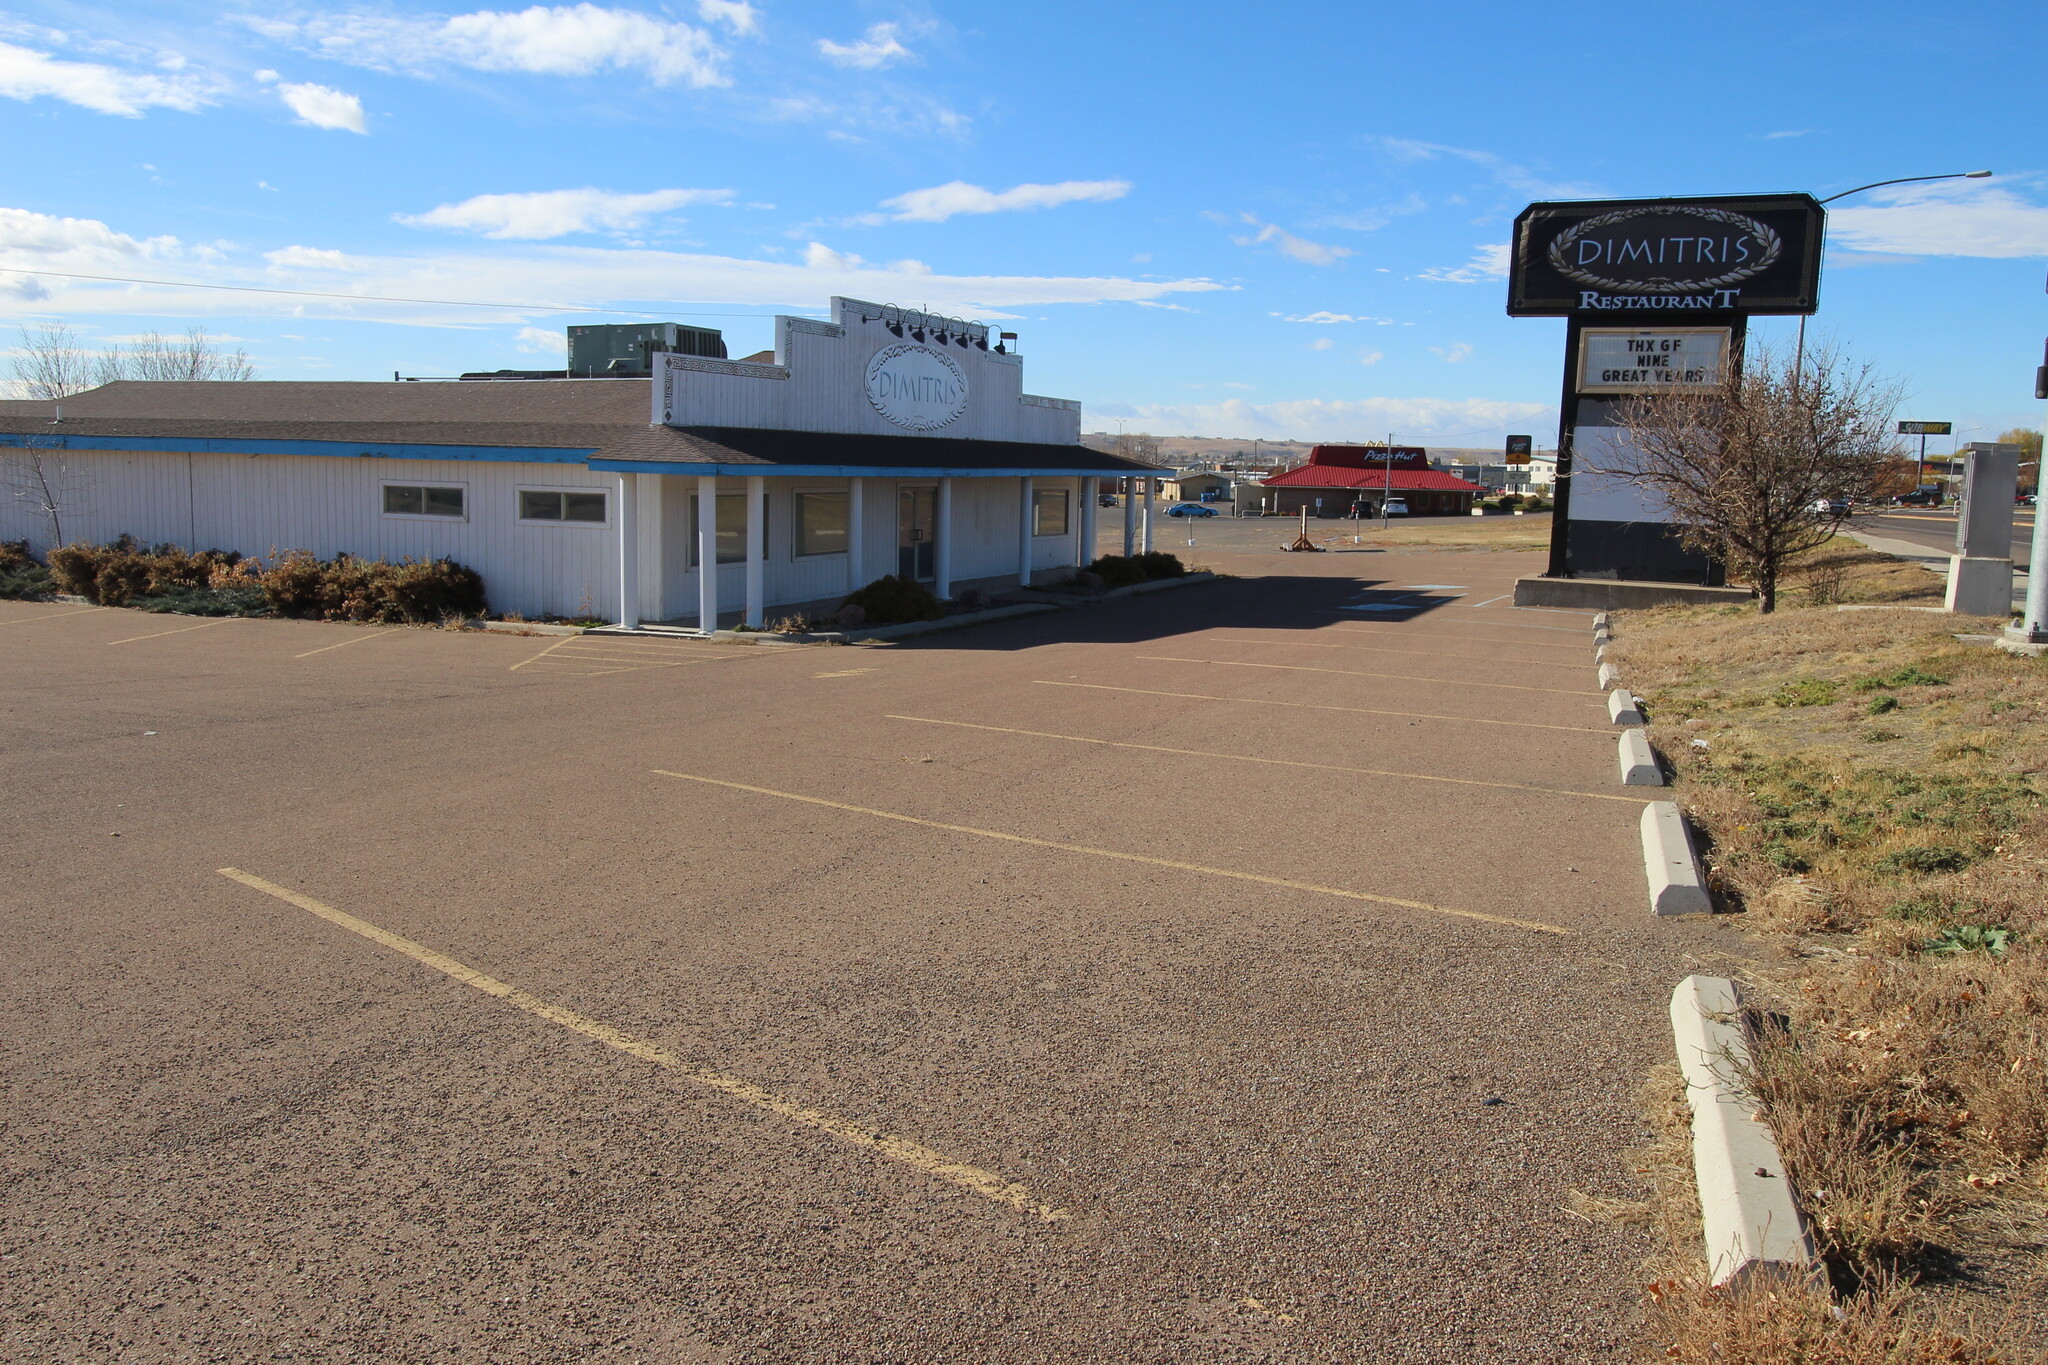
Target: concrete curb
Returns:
[[1638, 761], [528, 628], [1601, 621], [1676, 887], [1610, 677], [1622, 709], [1747, 1207], [1600, 652]]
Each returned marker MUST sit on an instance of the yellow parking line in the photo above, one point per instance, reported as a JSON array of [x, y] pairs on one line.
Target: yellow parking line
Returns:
[[1353, 673], [985, 1183], [1277, 762], [1425, 653], [1317, 706], [55, 616], [370, 635], [542, 655], [1232, 873], [223, 621]]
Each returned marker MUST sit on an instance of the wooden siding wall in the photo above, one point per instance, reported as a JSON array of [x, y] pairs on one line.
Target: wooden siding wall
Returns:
[[259, 504]]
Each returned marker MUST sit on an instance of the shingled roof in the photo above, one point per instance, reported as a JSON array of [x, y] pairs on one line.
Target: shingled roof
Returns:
[[603, 422]]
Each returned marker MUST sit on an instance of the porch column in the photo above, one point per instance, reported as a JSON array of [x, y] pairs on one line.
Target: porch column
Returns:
[[757, 545], [1084, 542], [1130, 492], [629, 550], [942, 553], [654, 604], [1024, 532], [855, 507], [707, 554], [1148, 516]]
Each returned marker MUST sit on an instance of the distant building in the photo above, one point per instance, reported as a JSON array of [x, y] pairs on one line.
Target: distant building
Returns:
[[1338, 479]]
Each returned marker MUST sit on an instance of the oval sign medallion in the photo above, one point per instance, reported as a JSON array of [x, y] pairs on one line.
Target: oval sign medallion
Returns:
[[917, 387]]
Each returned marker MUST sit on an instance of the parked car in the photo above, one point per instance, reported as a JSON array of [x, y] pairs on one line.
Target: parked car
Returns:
[[1924, 496], [1105, 500], [1190, 509], [1831, 507], [1394, 507]]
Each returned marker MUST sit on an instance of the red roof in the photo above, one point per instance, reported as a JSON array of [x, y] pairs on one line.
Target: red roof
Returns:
[[1340, 476]]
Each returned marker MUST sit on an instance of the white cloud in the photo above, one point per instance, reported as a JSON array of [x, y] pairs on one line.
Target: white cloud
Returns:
[[541, 341], [940, 202], [1292, 247], [736, 15], [1414, 420], [1968, 219], [556, 213], [1325, 318], [324, 108], [31, 239], [311, 258], [1789, 132], [878, 47], [1455, 352], [1322, 344], [1371, 357], [558, 40], [1505, 172], [531, 275], [26, 74], [1489, 263]]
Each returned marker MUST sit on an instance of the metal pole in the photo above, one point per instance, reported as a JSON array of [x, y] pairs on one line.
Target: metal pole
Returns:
[[1387, 481], [2033, 627]]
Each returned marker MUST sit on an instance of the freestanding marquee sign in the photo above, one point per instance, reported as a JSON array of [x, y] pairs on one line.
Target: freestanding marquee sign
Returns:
[[1657, 294]]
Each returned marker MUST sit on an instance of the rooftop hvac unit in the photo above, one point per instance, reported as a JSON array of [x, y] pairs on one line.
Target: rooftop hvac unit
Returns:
[[627, 350]]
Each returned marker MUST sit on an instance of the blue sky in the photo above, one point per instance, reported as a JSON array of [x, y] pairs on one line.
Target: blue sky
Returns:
[[1282, 221]]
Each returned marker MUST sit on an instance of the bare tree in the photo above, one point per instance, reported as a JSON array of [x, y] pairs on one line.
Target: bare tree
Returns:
[[44, 481], [50, 362], [192, 356], [1763, 470]]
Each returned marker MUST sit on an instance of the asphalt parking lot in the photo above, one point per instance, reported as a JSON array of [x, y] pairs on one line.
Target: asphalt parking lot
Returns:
[[1246, 972]]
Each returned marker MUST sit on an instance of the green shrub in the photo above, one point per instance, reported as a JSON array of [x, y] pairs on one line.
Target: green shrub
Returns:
[[21, 578], [1805, 692], [1931, 859], [1922, 909], [207, 601], [1969, 938], [894, 600], [1118, 571], [1881, 705], [298, 583], [1121, 571], [378, 591], [1536, 504], [1909, 676], [1159, 564]]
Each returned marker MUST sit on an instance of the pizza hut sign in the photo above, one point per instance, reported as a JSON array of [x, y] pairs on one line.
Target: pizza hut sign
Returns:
[[1748, 254]]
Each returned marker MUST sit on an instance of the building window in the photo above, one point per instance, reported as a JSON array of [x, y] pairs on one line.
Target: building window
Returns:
[[821, 524], [1048, 511], [732, 528], [418, 500], [554, 506]]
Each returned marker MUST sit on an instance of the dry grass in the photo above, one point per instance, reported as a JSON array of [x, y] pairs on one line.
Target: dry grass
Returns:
[[1531, 532], [1874, 794]]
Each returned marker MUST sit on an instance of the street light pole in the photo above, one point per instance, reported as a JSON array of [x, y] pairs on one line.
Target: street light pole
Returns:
[[1799, 364]]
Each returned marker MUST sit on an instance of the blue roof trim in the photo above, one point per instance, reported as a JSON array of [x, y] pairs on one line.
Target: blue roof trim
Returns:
[[329, 449], [834, 471]]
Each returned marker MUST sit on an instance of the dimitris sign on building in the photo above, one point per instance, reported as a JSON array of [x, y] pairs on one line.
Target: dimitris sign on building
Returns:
[[1658, 294], [916, 387]]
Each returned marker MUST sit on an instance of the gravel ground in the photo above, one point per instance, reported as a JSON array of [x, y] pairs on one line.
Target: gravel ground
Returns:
[[1285, 1124]]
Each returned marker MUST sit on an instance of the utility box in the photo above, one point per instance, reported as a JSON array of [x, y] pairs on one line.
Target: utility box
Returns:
[[1990, 481], [1980, 573], [627, 350]]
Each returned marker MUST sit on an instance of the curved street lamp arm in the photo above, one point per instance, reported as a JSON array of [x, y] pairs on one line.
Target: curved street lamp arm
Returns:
[[1906, 180]]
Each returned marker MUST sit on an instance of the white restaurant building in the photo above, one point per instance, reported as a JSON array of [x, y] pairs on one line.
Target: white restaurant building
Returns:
[[884, 441]]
